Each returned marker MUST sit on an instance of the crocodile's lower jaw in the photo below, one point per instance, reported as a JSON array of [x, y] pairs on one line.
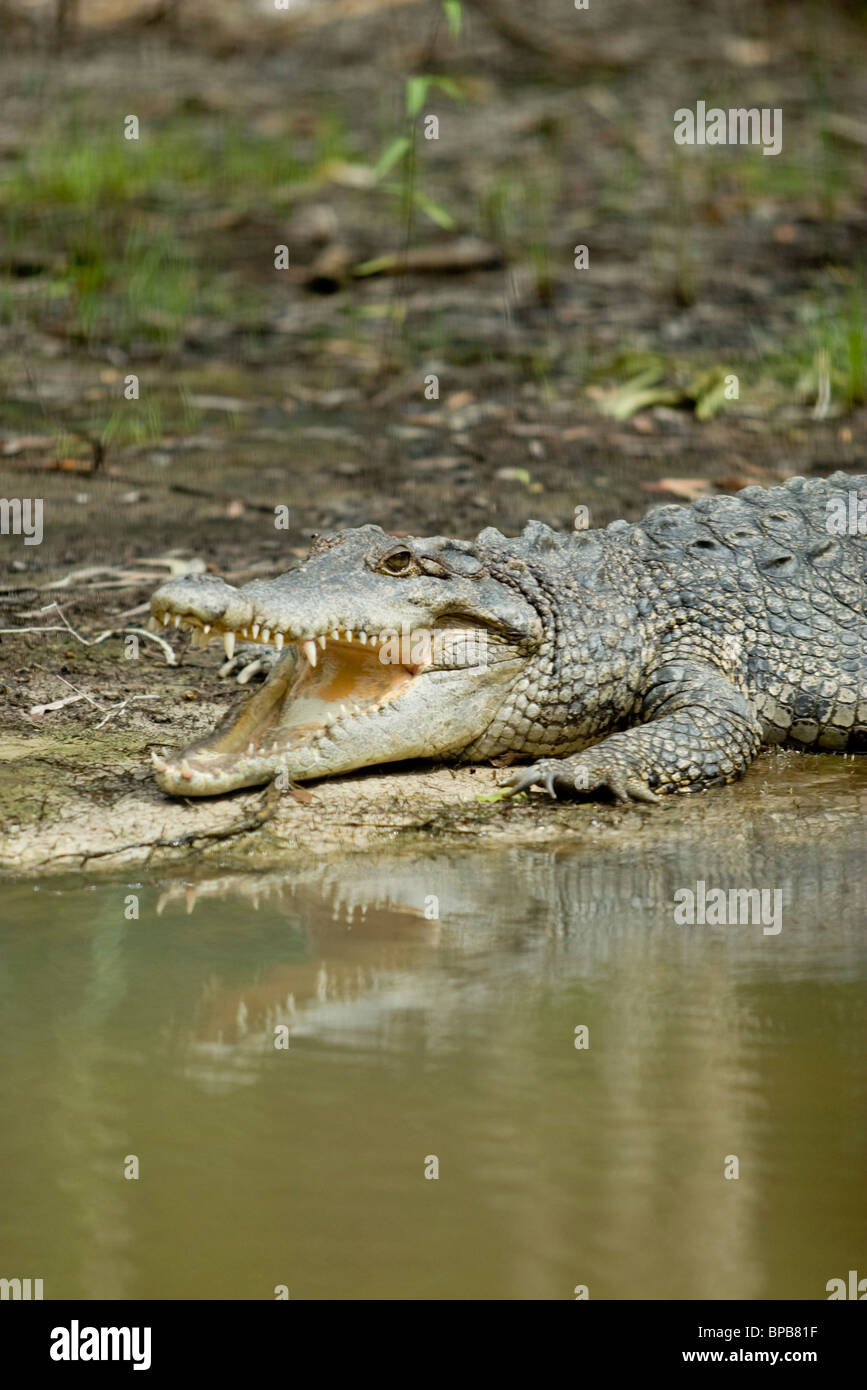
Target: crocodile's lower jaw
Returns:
[[306, 721]]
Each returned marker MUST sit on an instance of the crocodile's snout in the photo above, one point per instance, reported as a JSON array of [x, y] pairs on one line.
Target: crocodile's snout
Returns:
[[206, 604]]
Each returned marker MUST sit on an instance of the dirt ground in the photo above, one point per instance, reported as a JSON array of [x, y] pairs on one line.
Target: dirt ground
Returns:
[[305, 388]]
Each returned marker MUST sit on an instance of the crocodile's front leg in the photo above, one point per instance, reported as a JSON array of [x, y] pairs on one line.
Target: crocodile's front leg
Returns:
[[699, 729]]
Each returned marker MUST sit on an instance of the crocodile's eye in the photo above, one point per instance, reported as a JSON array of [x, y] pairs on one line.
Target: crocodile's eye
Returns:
[[400, 561]]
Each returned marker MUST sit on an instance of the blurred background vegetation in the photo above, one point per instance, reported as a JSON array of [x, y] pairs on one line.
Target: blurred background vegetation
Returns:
[[407, 257]]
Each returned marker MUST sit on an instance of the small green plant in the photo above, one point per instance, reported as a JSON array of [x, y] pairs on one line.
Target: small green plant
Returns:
[[400, 154], [823, 364], [134, 422], [454, 16], [158, 284], [856, 328]]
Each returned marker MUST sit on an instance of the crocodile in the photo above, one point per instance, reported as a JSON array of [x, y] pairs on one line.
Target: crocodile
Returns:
[[643, 658]]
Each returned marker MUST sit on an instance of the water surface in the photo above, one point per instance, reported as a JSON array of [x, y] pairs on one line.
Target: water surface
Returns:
[[413, 1036]]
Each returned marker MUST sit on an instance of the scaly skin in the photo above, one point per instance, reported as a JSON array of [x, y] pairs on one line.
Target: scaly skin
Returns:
[[645, 658]]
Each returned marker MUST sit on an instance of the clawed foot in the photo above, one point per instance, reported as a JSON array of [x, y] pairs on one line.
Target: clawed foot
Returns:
[[580, 774]]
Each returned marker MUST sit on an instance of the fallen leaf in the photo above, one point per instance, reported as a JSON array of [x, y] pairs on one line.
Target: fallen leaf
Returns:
[[747, 53], [69, 466], [638, 394], [689, 488], [514, 475], [466, 253], [302, 796], [845, 128], [440, 462], [733, 482], [21, 442], [231, 404]]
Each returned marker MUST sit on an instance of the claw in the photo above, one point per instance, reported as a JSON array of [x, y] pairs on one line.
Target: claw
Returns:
[[546, 774], [538, 774], [250, 670], [640, 792], [518, 782]]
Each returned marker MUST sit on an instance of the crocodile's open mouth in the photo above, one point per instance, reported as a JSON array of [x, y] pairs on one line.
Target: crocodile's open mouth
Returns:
[[386, 655], [325, 702]]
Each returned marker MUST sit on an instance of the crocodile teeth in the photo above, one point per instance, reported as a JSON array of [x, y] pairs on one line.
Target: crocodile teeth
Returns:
[[266, 634], [309, 649], [177, 620], [198, 639], [153, 624], [362, 637], [335, 636], [321, 640], [165, 620], [278, 641], [206, 628], [229, 644], [255, 630]]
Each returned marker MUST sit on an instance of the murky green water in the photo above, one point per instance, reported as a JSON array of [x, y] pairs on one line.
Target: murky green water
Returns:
[[411, 1037]]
